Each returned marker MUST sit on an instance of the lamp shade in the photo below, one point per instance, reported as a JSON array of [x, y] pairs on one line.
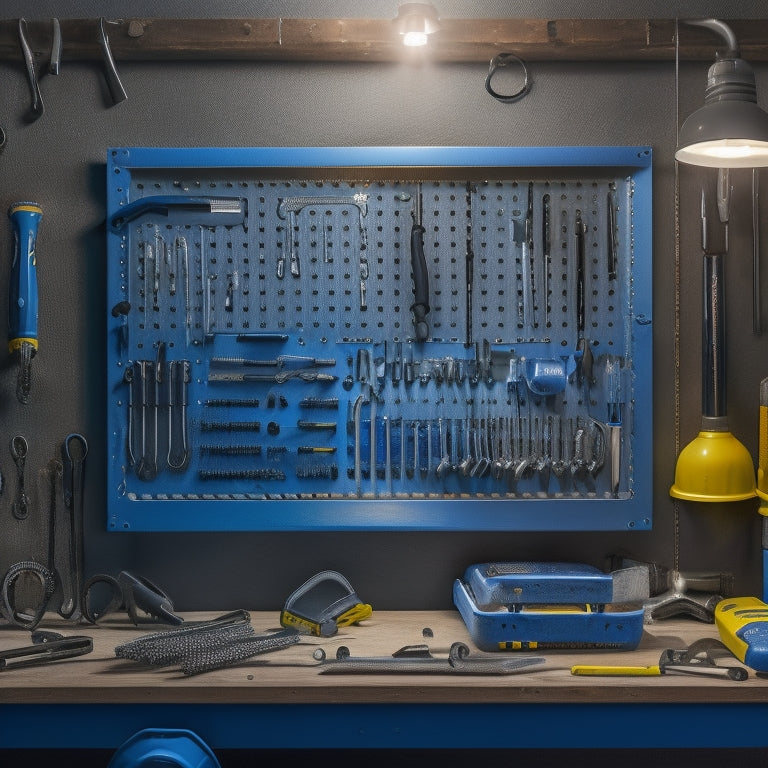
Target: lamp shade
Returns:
[[730, 130]]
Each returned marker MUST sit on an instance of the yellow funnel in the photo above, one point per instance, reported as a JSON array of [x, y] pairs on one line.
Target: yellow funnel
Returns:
[[714, 466]]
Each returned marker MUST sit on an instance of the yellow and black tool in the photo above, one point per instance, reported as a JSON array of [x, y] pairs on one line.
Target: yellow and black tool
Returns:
[[743, 626], [323, 604], [698, 659], [22, 305]]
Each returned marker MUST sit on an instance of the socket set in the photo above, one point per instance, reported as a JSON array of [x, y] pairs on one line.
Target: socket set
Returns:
[[352, 338]]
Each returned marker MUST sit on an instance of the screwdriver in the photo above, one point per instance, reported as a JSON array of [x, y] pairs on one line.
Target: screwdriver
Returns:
[[22, 306]]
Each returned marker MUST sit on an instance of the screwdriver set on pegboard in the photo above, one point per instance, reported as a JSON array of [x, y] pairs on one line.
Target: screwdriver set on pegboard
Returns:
[[352, 338]]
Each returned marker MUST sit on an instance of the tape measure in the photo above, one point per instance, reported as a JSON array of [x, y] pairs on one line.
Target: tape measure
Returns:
[[743, 626]]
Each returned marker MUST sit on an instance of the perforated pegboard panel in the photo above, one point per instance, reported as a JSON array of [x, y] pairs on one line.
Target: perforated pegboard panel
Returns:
[[264, 367]]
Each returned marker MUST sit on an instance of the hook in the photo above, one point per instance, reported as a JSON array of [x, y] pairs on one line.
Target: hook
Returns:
[[503, 60]]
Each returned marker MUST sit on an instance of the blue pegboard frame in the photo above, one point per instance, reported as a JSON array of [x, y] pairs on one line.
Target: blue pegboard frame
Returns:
[[265, 371]]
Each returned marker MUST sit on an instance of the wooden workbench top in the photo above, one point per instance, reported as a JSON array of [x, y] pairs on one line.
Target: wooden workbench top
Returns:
[[292, 676]]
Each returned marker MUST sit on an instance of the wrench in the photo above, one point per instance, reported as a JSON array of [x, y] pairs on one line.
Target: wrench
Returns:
[[465, 467], [19, 453], [388, 454], [74, 451], [499, 463], [559, 462], [444, 466], [483, 462], [506, 446], [356, 409]]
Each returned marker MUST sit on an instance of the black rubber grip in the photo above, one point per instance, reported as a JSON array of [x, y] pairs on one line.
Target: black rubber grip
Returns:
[[420, 307]]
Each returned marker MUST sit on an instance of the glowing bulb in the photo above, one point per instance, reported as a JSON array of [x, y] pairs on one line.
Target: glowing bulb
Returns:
[[727, 149], [414, 39], [415, 22], [733, 153]]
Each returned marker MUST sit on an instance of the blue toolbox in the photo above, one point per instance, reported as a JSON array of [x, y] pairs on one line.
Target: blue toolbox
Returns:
[[379, 338], [528, 606]]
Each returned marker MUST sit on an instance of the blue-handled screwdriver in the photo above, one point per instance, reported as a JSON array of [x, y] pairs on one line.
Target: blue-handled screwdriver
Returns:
[[22, 306]]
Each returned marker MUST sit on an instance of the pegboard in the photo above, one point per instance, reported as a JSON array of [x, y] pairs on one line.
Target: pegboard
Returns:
[[265, 365]]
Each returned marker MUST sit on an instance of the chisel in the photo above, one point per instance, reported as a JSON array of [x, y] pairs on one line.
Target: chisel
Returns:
[[22, 306]]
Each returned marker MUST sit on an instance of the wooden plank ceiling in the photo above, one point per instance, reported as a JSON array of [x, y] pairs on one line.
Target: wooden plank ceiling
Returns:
[[376, 40]]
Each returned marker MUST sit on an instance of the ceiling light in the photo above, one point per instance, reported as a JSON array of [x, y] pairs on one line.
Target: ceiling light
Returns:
[[415, 22], [730, 130]]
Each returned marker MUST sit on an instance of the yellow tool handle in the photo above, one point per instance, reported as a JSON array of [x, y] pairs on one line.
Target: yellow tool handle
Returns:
[[357, 613], [588, 669]]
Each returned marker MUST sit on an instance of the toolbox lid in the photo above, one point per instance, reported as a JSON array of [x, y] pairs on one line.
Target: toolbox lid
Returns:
[[521, 582]]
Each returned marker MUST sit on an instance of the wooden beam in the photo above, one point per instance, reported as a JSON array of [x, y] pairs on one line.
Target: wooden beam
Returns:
[[375, 40]]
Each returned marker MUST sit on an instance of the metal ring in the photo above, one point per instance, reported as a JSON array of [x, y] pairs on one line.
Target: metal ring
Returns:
[[500, 61]]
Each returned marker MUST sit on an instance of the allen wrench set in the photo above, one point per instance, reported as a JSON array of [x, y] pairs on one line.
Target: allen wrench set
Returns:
[[316, 333]]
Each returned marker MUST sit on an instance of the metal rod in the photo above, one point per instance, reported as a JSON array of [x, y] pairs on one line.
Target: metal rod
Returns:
[[713, 352]]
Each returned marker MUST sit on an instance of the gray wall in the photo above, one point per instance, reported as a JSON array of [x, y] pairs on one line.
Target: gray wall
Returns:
[[59, 161]]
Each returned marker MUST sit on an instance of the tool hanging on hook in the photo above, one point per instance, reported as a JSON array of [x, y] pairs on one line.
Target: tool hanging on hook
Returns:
[[37, 107], [420, 307], [22, 306], [114, 84]]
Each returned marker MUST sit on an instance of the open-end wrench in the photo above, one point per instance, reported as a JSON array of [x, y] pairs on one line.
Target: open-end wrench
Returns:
[[415, 448], [358, 474], [372, 444], [388, 453], [498, 463], [559, 461], [454, 442], [526, 455], [465, 466], [506, 442], [539, 452], [402, 468], [444, 466], [19, 453], [74, 451], [483, 462], [579, 460]]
